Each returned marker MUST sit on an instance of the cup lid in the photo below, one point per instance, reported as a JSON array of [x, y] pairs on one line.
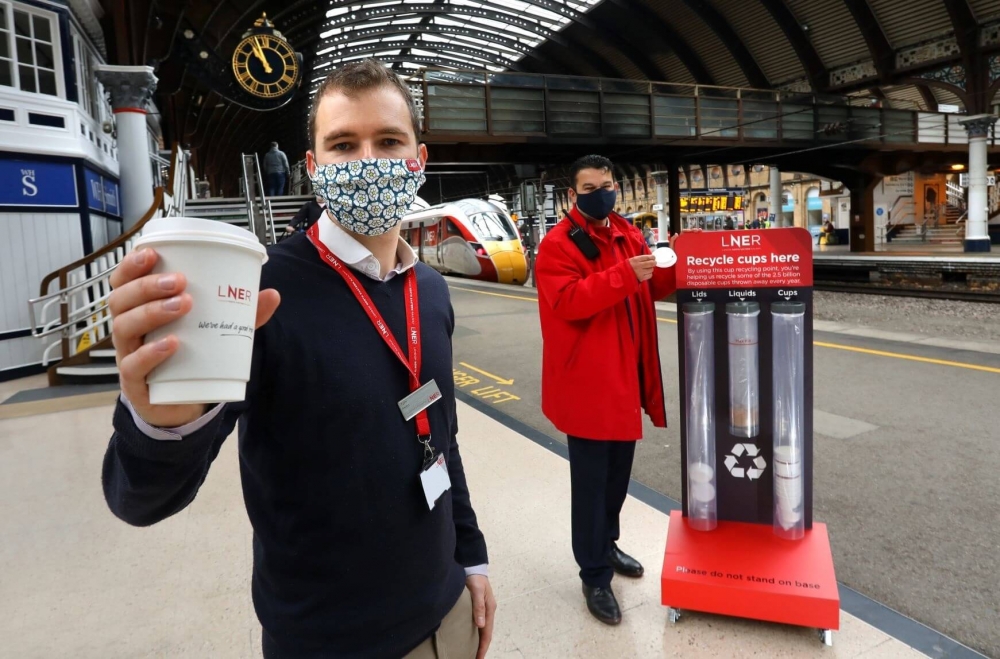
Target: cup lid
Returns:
[[698, 307], [665, 257], [743, 308], [168, 229], [788, 308]]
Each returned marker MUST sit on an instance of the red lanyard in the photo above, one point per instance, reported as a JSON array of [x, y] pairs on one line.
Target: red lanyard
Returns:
[[412, 363]]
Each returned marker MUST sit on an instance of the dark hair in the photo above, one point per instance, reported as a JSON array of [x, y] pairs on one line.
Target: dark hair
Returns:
[[589, 162], [274, 145], [361, 76]]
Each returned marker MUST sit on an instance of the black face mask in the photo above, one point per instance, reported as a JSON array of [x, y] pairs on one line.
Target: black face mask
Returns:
[[597, 204]]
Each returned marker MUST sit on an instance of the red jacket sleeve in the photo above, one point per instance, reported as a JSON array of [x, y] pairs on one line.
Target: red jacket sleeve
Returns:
[[663, 283], [574, 295]]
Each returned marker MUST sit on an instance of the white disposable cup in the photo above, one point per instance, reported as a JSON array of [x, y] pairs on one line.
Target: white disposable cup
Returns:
[[699, 472], [665, 257], [703, 492], [222, 264], [787, 455]]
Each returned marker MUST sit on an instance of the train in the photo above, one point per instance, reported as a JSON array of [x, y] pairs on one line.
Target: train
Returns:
[[471, 238]]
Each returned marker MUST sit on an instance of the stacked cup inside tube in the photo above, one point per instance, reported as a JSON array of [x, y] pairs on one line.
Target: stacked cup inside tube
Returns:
[[788, 327], [699, 400]]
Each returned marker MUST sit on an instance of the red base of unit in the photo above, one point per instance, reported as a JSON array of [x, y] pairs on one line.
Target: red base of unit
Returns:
[[744, 570]]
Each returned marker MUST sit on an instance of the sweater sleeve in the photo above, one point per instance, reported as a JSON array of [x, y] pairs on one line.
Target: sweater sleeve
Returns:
[[574, 296], [470, 545], [147, 480]]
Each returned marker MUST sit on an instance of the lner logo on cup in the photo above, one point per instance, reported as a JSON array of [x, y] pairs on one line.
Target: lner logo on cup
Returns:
[[235, 294]]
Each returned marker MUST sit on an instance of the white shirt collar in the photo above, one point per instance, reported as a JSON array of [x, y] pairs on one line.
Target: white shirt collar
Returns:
[[357, 256]]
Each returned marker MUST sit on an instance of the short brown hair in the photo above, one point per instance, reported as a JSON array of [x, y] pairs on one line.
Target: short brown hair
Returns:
[[360, 76]]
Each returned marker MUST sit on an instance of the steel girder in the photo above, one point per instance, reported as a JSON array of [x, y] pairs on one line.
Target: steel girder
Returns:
[[492, 12], [371, 49]]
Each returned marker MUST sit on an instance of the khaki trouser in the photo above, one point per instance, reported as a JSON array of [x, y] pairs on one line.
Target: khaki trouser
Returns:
[[456, 638]]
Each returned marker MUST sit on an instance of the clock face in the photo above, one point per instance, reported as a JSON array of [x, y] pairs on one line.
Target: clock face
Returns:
[[265, 66]]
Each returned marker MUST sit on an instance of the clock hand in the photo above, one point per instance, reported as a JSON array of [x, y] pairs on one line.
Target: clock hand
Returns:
[[260, 55]]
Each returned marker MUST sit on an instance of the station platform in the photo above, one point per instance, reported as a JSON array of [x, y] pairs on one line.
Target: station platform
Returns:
[[78, 582]]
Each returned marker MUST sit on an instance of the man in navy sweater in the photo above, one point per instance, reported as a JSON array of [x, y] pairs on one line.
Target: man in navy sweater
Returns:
[[354, 555]]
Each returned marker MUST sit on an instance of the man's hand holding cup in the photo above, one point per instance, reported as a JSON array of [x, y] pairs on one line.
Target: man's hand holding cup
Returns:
[[142, 302]]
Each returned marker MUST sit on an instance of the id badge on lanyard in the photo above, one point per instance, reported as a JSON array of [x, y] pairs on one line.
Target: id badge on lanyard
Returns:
[[434, 472]]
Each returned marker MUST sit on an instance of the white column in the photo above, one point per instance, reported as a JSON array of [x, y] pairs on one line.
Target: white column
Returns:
[[779, 216], [130, 88], [977, 238], [662, 211]]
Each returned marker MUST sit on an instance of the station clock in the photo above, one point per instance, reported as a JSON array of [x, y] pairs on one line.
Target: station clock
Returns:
[[265, 64]]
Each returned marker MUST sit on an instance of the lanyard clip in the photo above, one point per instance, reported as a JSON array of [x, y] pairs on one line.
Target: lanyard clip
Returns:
[[428, 450]]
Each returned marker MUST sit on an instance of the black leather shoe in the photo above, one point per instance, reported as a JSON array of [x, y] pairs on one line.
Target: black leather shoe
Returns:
[[602, 604], [624, 564]]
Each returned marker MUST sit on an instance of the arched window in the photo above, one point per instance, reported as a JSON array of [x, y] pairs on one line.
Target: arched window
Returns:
[[814, 207]]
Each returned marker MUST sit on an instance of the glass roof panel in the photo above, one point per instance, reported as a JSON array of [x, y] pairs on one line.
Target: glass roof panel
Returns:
[[441, 33]]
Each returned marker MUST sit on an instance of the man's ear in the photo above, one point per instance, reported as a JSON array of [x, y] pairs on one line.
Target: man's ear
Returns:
[[617, 189], [571, 196], [310, 162], [422, 155]]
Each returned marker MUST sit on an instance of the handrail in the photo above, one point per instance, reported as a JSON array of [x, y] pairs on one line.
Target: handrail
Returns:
[[247, 195], [264, 205], [110, 247], [64, 295]]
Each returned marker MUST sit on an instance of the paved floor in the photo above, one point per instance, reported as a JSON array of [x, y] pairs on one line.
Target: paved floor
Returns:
[[905, 453], [76, 582]]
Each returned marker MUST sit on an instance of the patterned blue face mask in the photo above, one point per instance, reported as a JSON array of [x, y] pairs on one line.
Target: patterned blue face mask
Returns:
[[369, 196]]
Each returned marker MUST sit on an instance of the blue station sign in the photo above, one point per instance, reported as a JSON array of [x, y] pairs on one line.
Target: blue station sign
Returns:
[[102, 193], [35, 183]]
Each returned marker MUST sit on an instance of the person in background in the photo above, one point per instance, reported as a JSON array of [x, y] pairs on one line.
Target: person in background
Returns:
[[647, 235], [306, 216], [755, 224], [355, 554], [276, 170], [600, 365]]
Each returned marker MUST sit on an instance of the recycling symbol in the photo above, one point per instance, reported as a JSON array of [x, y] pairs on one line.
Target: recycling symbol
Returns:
[[738, 455]]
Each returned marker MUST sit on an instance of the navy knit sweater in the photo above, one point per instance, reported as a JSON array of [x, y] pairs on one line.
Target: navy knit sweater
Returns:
[[348, 560]]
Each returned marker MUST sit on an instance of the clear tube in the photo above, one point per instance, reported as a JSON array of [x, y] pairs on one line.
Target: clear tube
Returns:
[[788, 329], [744, 369], [699, 396]]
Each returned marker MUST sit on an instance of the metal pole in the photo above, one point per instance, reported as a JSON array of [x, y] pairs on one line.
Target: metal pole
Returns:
[[776, 202]]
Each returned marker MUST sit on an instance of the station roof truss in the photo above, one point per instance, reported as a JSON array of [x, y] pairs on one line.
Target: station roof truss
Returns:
[[905, 54]]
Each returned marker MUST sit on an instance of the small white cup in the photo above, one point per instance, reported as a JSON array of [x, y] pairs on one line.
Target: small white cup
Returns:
[[222, 264], [665, 257]]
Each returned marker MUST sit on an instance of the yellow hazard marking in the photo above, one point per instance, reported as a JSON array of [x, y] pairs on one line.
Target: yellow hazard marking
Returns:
[[500, 380], [494, 394]]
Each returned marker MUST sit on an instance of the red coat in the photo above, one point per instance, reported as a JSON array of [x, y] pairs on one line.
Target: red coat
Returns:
[[594, 377]]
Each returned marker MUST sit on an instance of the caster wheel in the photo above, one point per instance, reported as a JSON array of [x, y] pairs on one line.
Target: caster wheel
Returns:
[[673, 615], [826, 637]]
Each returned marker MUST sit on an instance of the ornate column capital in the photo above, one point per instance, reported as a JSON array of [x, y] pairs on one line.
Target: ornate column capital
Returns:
[[978, 125], [131, 87]]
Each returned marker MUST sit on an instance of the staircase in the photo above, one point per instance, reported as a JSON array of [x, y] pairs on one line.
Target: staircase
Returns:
[[233, 210], [945, 235]]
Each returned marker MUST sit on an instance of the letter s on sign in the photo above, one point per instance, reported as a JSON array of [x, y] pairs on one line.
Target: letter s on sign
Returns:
[[28, 181]]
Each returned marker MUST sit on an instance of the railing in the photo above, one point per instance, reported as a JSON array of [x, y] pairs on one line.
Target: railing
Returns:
[[299, 183], [523, 104], [258, 208], [79, 305]]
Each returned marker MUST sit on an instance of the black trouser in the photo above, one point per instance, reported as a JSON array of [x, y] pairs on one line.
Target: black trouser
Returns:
[[599, 476]]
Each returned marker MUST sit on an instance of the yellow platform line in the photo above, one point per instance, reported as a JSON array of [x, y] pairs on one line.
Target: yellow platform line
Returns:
[[912, 358], [821, 344]]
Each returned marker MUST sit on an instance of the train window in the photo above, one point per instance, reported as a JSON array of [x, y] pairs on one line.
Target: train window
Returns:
[[453, 229], [493, 226]]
